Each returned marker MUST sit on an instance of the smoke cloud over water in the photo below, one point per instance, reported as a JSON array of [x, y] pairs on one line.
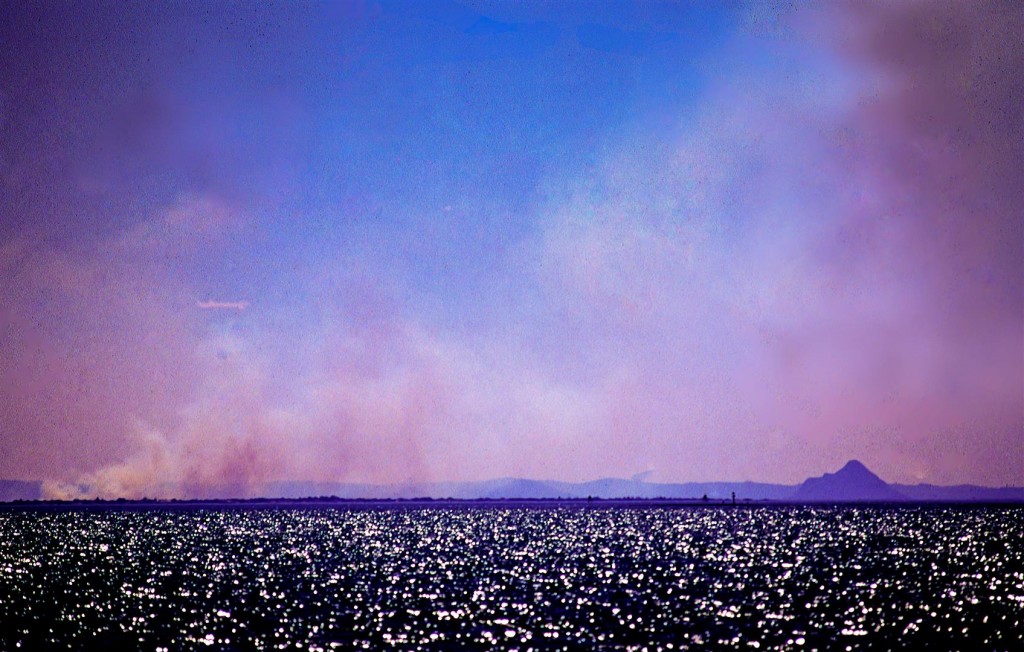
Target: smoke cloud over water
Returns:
[[814, 255]]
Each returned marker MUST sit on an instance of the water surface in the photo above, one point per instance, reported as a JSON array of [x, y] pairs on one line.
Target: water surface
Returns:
[[514, 578]]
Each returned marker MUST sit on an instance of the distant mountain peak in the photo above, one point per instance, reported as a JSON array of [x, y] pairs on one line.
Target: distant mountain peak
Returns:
[[853, 482], [856, 469], [854, 466]]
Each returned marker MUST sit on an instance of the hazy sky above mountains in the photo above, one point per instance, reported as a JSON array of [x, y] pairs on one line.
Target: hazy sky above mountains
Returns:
[[381, 242]]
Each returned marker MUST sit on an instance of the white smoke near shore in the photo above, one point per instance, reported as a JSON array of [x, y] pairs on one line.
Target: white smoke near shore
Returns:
[[826, 264]]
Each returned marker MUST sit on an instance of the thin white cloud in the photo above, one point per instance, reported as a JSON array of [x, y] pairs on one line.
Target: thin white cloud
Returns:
[[210, 304]]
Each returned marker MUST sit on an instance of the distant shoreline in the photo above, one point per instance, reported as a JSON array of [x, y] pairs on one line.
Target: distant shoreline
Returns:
[[854, 483], [331, 502]]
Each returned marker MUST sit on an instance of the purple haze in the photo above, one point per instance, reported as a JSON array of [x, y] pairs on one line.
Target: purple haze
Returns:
[[387, 243]]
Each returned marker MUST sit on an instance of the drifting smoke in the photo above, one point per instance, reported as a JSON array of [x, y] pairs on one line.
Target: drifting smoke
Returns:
[[825, 265]]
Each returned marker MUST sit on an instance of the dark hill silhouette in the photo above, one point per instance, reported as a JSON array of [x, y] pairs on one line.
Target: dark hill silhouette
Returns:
[[852, 483], [966, 493]]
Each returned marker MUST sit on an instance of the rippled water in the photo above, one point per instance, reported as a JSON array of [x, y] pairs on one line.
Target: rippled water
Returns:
[[556, 578]]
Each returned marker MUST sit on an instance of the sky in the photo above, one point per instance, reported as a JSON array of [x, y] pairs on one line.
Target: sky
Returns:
[[396, 241]]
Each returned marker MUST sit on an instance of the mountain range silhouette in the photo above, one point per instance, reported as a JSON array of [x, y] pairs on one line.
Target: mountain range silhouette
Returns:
[[853, 483]]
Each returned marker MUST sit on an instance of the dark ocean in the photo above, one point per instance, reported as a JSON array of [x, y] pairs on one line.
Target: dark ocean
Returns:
[[552, 578]]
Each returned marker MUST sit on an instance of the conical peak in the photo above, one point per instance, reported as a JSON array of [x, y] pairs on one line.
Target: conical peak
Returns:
[[855, 466], [853, 482]]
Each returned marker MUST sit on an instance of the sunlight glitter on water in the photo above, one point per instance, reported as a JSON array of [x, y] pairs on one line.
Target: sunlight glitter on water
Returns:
[[555, 578]]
